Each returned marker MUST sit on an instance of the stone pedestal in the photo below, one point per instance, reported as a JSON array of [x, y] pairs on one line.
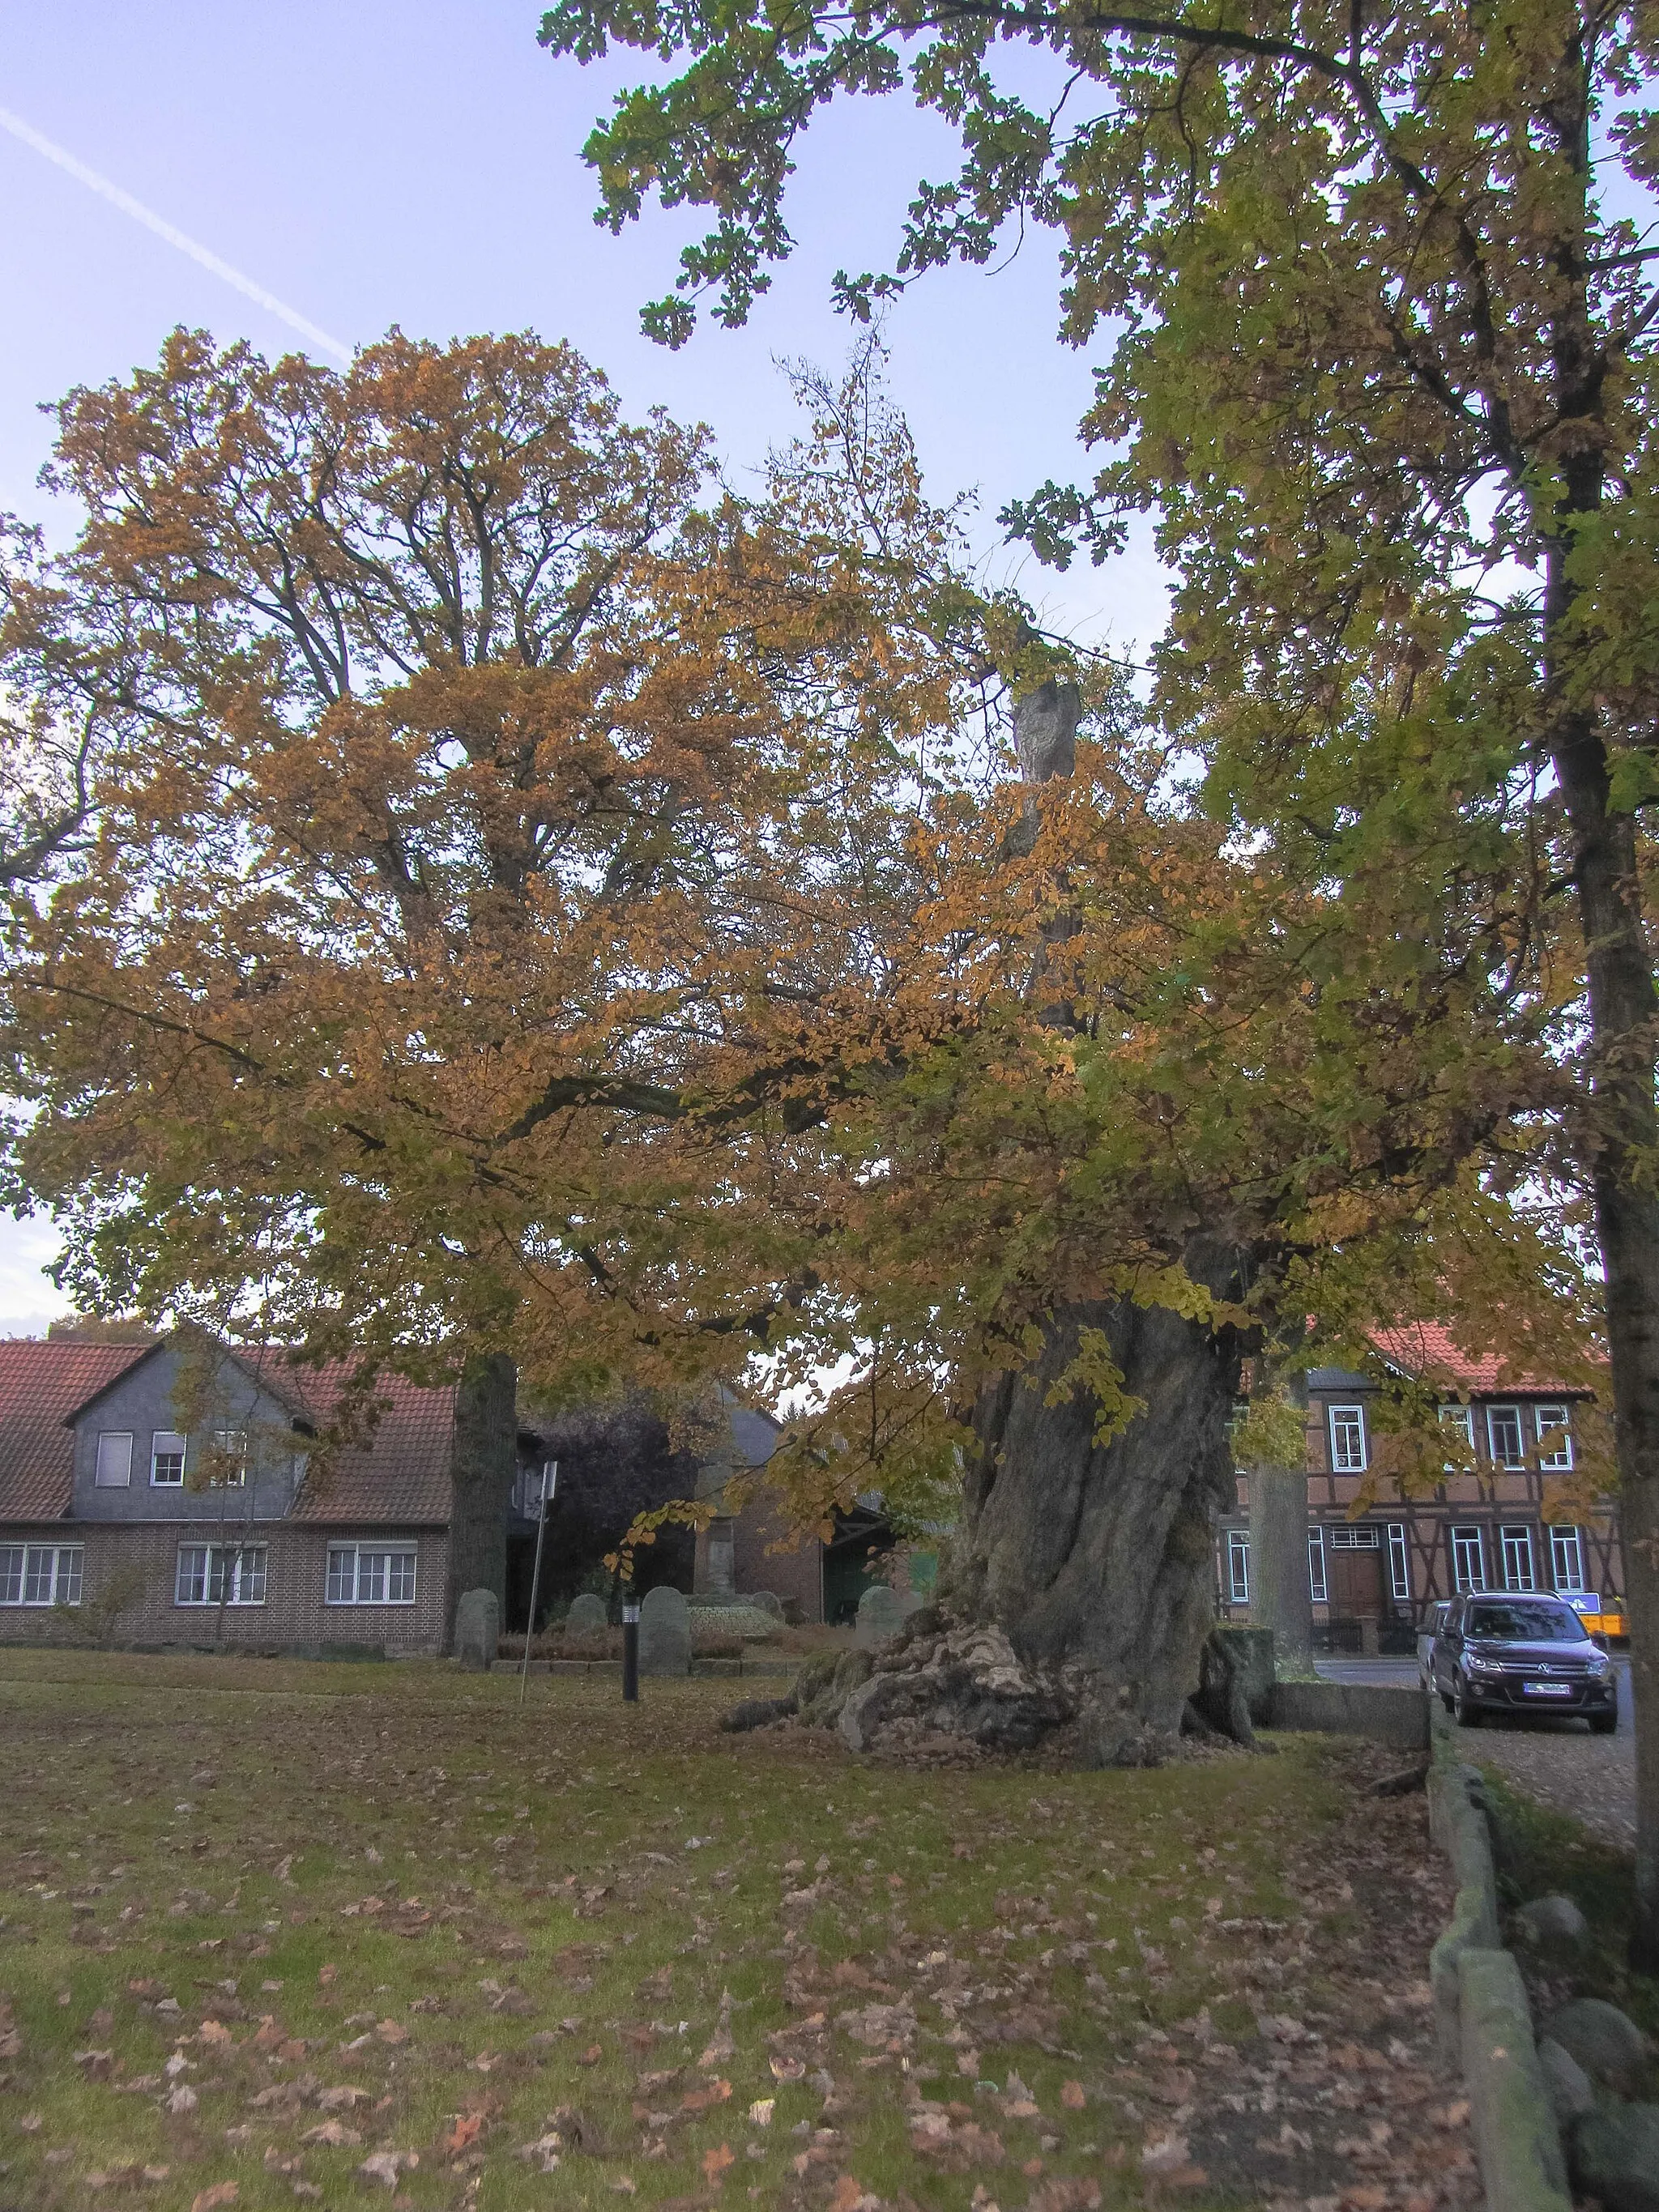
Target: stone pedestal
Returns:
[[477, 1629], [714, 1579]]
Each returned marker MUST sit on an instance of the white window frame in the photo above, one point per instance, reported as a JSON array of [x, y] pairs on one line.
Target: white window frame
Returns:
[[1238, 1566], [249, 1577], [344, 1588], [1400, 1563], [117, 1474], [1567, 1544], [1515, 1547], [1545, 1417], [1353, 1536], [1459, 1416], [1344, 1420], [1516, 1464], [229, 1445], [1318, 1581], [42, 1574], [158, 1438], [1466, 1537]]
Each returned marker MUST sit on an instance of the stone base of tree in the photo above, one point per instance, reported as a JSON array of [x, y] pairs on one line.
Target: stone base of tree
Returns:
[[943, 1679]]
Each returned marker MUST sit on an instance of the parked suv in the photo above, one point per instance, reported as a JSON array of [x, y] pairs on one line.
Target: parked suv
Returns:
[[1521, 1653], [1428, 1628]]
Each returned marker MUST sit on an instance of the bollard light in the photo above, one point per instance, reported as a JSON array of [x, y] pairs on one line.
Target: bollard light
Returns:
[[631, 1650]]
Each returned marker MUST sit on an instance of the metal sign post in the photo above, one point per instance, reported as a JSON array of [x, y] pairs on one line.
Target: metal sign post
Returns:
[[550, 1484], [630, 1649]]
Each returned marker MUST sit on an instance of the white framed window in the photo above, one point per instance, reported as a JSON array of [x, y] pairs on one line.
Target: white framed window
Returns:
[[1554, 1439], [1516, 1545], [1347, 1439], [370, 1574], [229, 1458], [166, 1458], [41, 1574], [1316, 1583], [1567, 1560], [1355, 1536], [1238, 1566], [1399, 1563], [1468, 1559], [204, 1571], [1505, 1438], [114, 1470], [1460, 1419]]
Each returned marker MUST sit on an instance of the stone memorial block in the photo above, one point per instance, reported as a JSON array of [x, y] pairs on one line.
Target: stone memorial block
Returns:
[[477, 1629], [766, 1602], [586, 1615], [665, 1633], [881, 1615]]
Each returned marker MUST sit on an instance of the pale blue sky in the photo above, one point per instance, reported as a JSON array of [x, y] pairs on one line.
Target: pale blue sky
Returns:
[[374, 161]]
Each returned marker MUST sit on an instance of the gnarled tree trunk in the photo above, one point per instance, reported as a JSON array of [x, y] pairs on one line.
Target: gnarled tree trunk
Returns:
[[1080, 1586], [483, 1465]]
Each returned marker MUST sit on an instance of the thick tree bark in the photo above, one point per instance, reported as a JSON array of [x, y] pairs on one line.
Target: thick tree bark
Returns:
[[1281, 1597], [1623, 1127], [484, 1462], [1098, 1561]]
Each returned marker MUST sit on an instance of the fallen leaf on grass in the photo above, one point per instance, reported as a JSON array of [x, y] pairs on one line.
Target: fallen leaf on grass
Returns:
[[335, 2133], [788, 2069], [1065, 2193], [391, 2031], [1072, 2096], [699, 2100], [468, 2127], [851, 2196], [182, 2099], [212, 2200], [385, 2166], [342, 2098], [761, 2111], [715, 2162], [96, 2065]]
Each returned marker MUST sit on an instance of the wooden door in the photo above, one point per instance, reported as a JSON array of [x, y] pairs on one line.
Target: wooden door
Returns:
[[1356, 1584]]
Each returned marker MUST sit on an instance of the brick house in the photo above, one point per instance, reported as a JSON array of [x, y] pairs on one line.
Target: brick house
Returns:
[[212, 1526], [1373, 1574], [180, 1492]]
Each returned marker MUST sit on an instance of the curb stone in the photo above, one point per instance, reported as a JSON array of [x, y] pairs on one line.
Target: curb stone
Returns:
[[1481, 2015]]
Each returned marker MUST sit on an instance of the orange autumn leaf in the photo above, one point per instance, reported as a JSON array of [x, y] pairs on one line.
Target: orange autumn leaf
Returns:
[[714, 2163]]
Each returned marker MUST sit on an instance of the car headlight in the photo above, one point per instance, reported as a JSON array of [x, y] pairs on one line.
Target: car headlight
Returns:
[[1600, 1667], [1477, 1665]]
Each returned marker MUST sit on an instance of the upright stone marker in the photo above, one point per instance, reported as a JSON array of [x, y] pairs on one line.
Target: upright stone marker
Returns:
[[766, 1602], [665, 1633], [477, 1630], [586, 1615], [881, 1615]]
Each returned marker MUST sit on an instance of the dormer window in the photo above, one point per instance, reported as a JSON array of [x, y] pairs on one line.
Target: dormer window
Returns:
[[167, 1460], [229, 1469], [1347, 1439], [114, 1469]]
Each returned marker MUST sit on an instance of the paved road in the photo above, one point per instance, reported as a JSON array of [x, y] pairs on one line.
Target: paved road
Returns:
[[1558, 1762]]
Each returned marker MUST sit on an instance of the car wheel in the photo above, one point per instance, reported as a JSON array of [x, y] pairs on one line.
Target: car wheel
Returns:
[[1603, 1723], [1465, 1714]]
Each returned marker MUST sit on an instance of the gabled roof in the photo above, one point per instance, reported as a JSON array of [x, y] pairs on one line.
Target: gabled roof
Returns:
[[1427, 1348], [269, 1369], [402, 1474], [42, 1384]]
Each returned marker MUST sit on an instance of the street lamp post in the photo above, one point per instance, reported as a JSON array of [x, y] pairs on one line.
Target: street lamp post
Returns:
[[550, 1484]]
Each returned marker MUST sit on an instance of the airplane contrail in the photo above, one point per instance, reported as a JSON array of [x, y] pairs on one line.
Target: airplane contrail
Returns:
[[163, 228]]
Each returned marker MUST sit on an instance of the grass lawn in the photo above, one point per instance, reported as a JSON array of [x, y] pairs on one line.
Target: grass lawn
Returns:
[[274, 1932]]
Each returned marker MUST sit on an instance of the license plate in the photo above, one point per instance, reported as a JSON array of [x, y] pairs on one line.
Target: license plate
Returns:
[[1547, 1689]]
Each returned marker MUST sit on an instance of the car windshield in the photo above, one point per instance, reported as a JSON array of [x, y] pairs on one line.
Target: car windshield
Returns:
[[1518, 1621]]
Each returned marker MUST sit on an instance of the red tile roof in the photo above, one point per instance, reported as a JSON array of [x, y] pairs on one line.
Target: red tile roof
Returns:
[[401, 1473], [41, 1384], [1427, 1348]]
